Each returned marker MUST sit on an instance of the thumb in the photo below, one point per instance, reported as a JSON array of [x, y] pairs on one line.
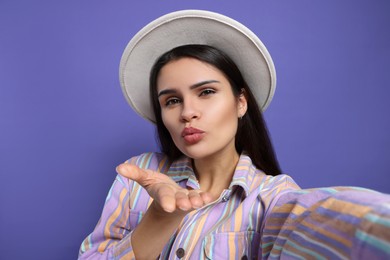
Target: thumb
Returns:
[[132, 172]]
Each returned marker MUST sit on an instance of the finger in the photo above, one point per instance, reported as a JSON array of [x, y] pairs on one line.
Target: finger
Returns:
[[206, 197], [182, 200], [132, 172], [166, 198], [195, 199]]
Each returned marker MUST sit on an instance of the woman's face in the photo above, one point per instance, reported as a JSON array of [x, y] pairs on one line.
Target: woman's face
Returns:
[[198, 108]]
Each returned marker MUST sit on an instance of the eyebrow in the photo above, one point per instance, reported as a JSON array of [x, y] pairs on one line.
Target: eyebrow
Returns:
[[196, 85]]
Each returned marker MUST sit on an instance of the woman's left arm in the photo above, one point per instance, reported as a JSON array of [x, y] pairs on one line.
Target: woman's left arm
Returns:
[[329, 223]]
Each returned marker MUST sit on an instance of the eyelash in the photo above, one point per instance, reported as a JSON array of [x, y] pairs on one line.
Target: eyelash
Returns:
[[207, 91], [174, 100]]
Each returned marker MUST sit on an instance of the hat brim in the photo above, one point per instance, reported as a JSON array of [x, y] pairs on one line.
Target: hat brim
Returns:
[[194, 27]]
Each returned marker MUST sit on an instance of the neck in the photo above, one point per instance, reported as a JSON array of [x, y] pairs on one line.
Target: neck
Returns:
[[215, 173]]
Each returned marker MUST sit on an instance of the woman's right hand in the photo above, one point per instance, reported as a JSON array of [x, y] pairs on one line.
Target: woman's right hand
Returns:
[[169, 196]]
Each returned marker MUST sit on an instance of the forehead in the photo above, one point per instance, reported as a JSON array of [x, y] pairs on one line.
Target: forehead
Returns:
[[188, 71]]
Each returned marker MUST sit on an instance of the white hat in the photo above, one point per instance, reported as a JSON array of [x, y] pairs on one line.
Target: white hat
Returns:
[[194, 27]]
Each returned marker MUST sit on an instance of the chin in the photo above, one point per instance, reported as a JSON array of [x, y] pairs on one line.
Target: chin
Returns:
[[199, 153], [195, 153]]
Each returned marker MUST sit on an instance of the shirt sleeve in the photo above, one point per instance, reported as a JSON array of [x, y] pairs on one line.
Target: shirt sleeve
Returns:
[[328, 223], [111, 238]]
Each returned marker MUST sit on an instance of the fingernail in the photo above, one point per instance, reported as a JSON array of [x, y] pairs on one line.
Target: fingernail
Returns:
[[169, 209]]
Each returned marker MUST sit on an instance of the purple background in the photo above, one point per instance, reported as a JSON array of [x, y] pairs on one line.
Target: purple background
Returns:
[[64, 124]]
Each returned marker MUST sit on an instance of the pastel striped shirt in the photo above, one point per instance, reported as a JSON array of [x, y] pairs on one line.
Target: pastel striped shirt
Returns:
[[228, 228], [328, 223], [257, 217]]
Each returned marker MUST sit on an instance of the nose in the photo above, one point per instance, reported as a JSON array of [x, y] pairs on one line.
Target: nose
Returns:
[[189, 111]]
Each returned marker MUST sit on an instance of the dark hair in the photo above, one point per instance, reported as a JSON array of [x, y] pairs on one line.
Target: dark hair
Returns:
[[252, 137]]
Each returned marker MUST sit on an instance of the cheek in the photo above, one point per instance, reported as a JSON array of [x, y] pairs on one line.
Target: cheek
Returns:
[[225, 117], [165, 120], [168, 122], [230, 123], [227, 110]]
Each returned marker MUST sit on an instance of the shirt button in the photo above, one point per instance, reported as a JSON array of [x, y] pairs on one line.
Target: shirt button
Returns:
[[180, 252], [225, 198]]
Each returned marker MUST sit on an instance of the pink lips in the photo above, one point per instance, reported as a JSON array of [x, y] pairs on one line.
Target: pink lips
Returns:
[[192, 135]]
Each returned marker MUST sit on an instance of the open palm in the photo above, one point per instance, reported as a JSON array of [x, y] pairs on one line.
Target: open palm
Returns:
[[167, 193]]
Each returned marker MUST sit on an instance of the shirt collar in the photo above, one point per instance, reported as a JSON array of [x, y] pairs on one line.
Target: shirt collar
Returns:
[[181, 170]]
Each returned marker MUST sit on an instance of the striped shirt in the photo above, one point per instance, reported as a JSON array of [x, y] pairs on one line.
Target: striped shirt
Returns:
[[229, 227], [258, 216], [328, 223]]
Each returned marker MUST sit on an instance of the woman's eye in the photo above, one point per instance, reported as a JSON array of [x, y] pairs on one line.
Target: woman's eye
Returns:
[[172, 101], [207, 92]]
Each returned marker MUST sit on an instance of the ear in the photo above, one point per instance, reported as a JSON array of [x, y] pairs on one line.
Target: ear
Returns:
[[242, 104]]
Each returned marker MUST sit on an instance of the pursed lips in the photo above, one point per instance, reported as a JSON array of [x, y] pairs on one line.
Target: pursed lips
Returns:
[[190, 131], [192, 135]]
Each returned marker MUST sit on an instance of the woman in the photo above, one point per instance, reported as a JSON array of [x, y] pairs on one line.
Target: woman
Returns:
[[210, 192], [209, 182]]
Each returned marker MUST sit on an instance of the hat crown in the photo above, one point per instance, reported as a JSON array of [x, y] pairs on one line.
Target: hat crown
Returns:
[[194, 27]]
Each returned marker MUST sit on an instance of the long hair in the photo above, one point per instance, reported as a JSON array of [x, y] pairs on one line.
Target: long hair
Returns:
[[252, 136]]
